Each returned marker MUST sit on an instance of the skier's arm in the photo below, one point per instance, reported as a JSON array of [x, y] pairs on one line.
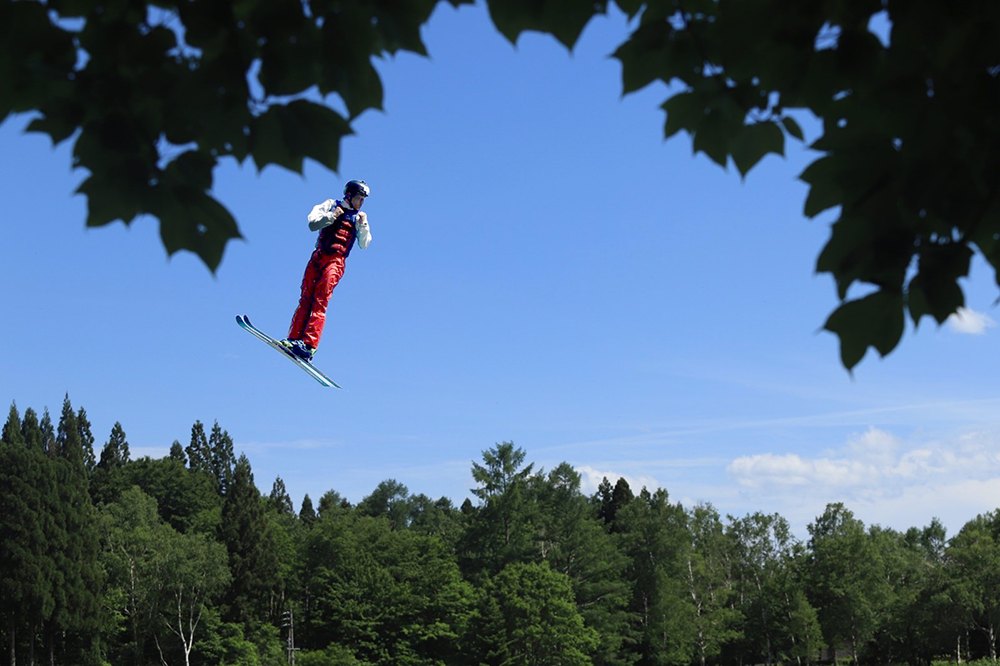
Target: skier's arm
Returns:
[[364, 233], [324, 214]]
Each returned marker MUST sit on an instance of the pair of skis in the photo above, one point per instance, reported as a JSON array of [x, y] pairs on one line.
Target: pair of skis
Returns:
[[308, 367]]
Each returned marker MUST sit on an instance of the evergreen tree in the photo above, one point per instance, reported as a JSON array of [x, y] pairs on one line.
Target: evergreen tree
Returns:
[[109, 479], [221, 458], [86, 439], [279, 498], [31, 430], [502, 529], [653, 534], [177, 453], [252, 559], [48, 435], [574, 543], [198, 453], [12, 431], [306, 512], [25, 594], [610, 500], [75, 547]]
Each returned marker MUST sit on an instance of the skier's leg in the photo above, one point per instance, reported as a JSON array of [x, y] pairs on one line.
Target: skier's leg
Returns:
[[331, 273], [303, 310]]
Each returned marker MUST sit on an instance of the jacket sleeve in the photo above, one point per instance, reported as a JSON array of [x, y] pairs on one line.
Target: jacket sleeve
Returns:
[[323, 215], [364, 233]]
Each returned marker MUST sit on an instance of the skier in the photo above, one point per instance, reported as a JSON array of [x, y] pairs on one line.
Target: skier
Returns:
[[340, 223]]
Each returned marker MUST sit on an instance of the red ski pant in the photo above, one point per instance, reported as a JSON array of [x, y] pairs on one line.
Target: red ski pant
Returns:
[[323, 272]]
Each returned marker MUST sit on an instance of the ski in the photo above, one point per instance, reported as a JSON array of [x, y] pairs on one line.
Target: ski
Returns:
[[308, 367]]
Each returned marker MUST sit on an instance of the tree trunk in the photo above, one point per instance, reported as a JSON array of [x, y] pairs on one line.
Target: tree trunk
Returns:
[[12, 634], [50, 643]]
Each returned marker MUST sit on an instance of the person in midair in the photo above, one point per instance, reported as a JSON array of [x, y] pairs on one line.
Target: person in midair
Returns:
[[340, 224]]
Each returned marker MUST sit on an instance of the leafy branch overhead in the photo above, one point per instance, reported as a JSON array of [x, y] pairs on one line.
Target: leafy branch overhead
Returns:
[[909, 156]]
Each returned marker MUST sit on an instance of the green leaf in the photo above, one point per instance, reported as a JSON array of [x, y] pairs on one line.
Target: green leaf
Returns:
[[319, 129], [348, 43], [754, 142], [643, 56], [685, 111], [193, 169], [107, 201], [792, 127], [935, 286], [59, 125], [873, 321], [192, 220], [563, 19], [712, 138], [824, 192], [285, 134], [916, 302], [268, 143]]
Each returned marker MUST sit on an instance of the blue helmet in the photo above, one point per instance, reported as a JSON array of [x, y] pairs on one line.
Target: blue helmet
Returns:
[[356, 187]]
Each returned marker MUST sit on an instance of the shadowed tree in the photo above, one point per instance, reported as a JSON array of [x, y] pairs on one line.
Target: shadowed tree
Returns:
[[252, 559]]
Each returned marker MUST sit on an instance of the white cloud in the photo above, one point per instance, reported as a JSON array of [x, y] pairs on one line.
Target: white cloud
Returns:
[[880, 477], [590, 479], [970, 322]]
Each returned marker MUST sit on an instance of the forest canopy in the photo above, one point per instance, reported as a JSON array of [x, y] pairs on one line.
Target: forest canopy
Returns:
[[105, 558]]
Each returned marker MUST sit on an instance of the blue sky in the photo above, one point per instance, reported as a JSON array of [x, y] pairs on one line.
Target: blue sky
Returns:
[[545, 269]]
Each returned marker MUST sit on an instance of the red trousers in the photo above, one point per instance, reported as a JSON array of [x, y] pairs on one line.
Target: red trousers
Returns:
[[323, 272]]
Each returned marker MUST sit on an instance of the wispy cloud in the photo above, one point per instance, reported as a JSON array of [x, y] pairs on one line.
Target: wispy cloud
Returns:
[[970, 322]]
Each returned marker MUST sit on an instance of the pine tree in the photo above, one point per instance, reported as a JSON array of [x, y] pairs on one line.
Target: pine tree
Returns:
[[306, 512], [280, 499], [502, 530], [77, 546], [22, 582], [177, 453], [48, 434], [198, 453], [87, 439], [12, 433], [252, 561], [109, 480], [37, 485], [31, 430], [221, 458]]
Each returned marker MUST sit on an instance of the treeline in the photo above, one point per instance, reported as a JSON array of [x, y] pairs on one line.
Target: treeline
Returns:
[[181, 560]]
